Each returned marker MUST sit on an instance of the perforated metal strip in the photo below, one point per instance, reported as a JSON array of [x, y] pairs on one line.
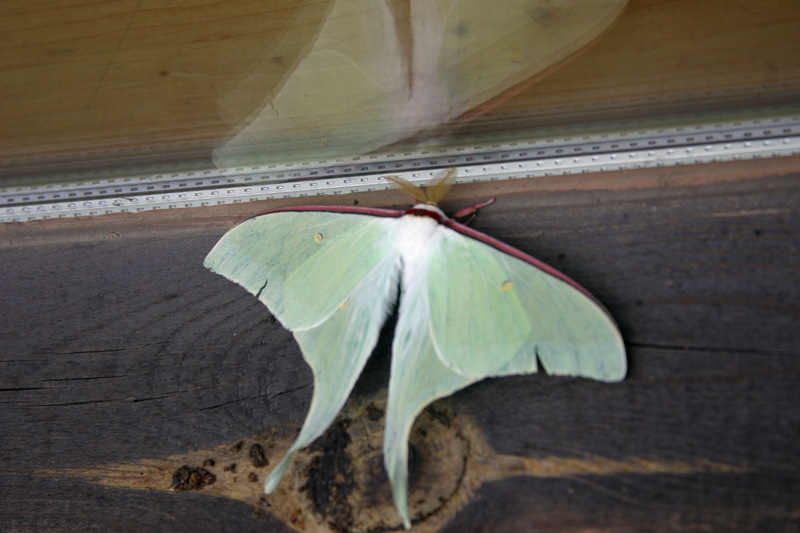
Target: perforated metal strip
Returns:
[[527, 158]]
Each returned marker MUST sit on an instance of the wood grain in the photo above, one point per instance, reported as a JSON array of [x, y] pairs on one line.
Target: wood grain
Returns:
[[119, 347], [142, 81]]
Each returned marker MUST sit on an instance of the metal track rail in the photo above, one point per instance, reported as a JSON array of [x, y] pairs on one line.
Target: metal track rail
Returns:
[[623, 148]]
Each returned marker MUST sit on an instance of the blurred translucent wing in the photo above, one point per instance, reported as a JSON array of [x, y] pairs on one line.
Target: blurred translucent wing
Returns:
[[488, 51], [343, 94], [331, 278], [517, 309], [378, 73]]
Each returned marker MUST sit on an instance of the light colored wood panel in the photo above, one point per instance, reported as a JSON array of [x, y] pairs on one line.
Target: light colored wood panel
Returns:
[[673, 53], [77, 76], [85, 76]]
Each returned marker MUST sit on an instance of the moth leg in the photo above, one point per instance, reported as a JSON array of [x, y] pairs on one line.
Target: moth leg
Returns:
[[468, 214]]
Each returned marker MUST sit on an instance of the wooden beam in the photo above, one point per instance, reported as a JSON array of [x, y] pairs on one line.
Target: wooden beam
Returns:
[[122, 357]]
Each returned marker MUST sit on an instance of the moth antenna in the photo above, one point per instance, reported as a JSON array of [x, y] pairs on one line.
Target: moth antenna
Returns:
[[443, 182], [409, 188], [433, 193]]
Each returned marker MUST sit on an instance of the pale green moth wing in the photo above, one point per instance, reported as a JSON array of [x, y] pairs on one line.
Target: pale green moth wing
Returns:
[[331, 278], [515, 310], [337, 350], [288, 259], [478, 308], [418, 377], [472, 307]]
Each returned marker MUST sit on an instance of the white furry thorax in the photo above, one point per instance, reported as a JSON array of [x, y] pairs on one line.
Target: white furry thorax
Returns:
[[417, 232]]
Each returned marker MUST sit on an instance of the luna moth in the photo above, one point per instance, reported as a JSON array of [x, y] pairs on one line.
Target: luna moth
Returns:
[[470, 307], [379, 71]]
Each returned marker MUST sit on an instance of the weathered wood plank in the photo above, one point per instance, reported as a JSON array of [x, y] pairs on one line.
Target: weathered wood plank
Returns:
[[118, 346]]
